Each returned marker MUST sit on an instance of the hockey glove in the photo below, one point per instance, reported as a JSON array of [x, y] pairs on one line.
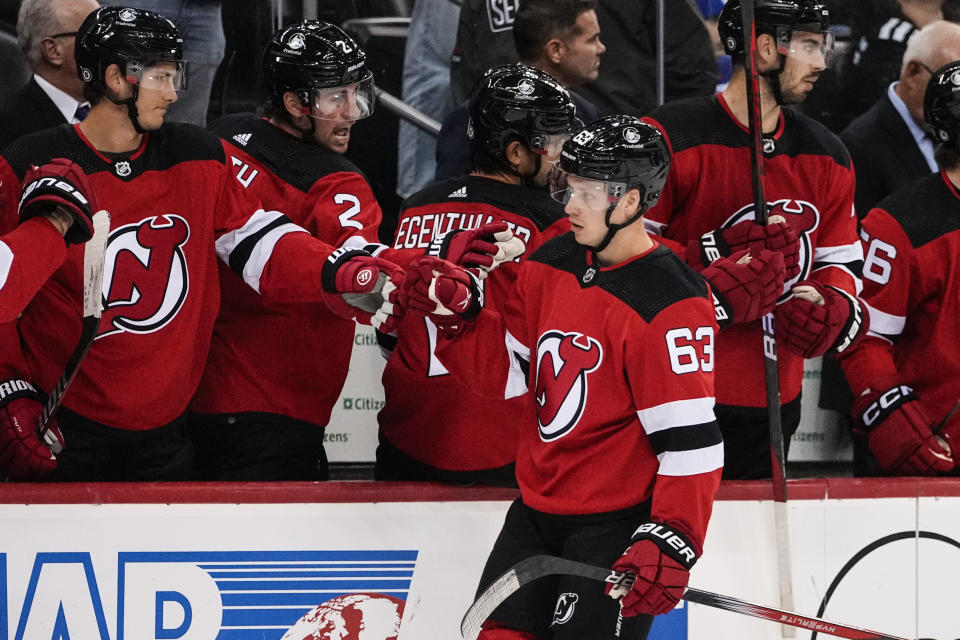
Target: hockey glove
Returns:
[[484, 248], [898, 433], [745, 287], [828, 325], [360, 287], [449, 295], [60, 184], [660, 558], [23, 456], [721, 243]]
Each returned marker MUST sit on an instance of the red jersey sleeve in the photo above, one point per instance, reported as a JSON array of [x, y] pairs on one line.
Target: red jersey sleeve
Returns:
[[838, 254], [277, 258], [676, 411], [29, 255], [891, 273]]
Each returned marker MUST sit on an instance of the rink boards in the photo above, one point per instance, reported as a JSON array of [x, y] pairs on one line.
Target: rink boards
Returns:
[[248, 562]]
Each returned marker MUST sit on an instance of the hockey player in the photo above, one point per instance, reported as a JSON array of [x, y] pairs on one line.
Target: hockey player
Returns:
[[905, 374], [610, 338], [519, 119], [707, 207], [58, 215], [175, 207], [251, 419]]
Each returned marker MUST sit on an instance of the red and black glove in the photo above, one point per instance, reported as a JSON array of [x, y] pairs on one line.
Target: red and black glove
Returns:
[[449, 295], [60, 184], [747, 290], [483, 248], [812, 330], [660, 558], [23, 456], [360, 287], [899, 435], [747, 235]]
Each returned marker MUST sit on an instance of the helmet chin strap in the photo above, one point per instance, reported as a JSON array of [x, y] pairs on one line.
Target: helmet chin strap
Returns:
[[131, 103], [773, 77], [613, 228]]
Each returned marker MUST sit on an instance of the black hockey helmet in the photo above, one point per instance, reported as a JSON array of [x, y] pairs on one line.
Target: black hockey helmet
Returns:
[[515, 101], [133, 39], [779, 18], [313, 55], [941, 102], [616, 153], [621, 151]]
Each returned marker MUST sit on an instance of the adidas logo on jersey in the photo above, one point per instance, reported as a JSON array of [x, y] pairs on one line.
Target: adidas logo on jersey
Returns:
[[243, 138], [459, 193]]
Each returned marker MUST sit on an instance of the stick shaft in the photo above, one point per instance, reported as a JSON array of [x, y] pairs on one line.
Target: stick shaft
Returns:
[[94, 253], [537, 567], [778, 469]]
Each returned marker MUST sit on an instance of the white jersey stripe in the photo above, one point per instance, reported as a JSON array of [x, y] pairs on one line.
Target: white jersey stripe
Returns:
[[680, 413], [6, 261], [688, 463], [843, 254], [516, 380], [253, 268], [885, 323]]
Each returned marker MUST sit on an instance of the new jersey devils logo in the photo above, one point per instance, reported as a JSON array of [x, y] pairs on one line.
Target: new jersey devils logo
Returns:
[[563, 362], [145, 275], [802, 216], [563, 611]]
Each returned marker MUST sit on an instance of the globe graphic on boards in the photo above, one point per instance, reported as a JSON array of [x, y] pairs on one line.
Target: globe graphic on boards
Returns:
[[358, 616]]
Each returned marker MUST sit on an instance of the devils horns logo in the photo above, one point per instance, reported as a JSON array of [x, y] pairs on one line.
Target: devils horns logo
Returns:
[[145, 278], [563, 362]]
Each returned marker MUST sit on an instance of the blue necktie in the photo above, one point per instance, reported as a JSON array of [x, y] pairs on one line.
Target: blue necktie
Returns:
[[81, 112]]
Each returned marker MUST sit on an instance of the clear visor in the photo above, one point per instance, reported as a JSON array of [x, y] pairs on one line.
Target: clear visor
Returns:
[[568, 189], [812, 47], [159, 76], [349, 102], [550, 144]]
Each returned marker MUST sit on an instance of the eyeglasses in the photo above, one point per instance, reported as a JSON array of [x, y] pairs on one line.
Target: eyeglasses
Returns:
[[65, 34], [929, 70]]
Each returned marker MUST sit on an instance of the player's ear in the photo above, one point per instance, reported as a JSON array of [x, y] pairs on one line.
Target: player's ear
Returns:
[[291, 103], [767, 49], [514, 153], [114, 79]]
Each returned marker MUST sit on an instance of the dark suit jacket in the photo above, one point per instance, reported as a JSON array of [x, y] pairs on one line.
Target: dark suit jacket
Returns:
[[885, 155], [27, 110]]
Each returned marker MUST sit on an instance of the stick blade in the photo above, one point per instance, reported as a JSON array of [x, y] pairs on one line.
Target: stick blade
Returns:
[[94, 254]]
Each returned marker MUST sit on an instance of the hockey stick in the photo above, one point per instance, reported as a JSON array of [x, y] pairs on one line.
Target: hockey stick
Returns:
[[94, 253], [536, 567], [778, 462]]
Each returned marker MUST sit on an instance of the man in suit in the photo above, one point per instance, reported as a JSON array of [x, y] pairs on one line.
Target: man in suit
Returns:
[[889, 144], [46, 30]]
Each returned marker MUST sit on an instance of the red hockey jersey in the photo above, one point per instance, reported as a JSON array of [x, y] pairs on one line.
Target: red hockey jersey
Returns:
[[175, 206], [616, 367], [286, 359], [28, 257], [429, 414], [911, 285], [808, 179]]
